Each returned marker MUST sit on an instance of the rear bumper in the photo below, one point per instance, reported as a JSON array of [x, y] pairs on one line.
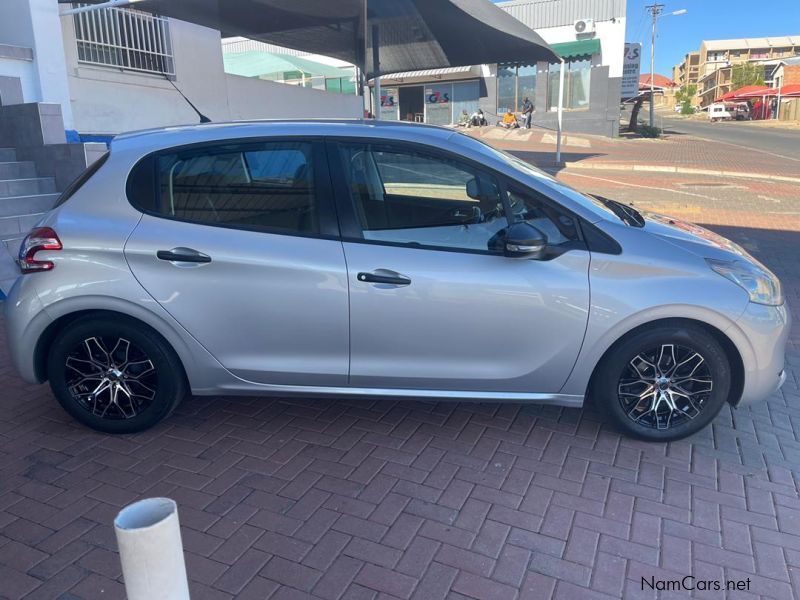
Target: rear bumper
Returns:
[[26, 321], [766, 329]]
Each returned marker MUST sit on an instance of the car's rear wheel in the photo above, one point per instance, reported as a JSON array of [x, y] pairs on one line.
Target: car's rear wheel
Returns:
[[114, 375], [664, 383]]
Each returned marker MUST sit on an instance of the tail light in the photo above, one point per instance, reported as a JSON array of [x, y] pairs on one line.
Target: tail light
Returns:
[[41, 238]]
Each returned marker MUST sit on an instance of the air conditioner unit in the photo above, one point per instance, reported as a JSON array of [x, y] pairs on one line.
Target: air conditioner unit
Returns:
[[583, 26]]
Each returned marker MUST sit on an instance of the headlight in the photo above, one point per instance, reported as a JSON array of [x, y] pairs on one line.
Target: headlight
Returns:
[[757, 280]]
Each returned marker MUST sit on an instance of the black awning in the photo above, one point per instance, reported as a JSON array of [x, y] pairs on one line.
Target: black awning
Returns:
[[414, 34]]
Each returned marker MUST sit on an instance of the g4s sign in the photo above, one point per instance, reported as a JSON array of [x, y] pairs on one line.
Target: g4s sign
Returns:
[[437, 97]]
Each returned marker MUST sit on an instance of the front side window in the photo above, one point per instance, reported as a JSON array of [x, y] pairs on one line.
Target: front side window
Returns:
[[402, 196], [262, 186]]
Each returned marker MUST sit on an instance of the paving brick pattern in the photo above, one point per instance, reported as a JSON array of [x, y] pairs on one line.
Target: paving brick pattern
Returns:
[[353, 499]]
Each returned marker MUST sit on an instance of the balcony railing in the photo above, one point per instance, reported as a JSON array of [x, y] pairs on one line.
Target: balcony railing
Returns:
[[125, 39]]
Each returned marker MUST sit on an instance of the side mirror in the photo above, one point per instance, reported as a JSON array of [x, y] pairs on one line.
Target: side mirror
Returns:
[[523, 240], [473, 189]]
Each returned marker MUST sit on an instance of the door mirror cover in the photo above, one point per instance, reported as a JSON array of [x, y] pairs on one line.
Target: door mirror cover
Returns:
[[473, 189], [523, 240]]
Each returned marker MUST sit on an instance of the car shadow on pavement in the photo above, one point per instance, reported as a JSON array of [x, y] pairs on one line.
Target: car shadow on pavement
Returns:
[[547, 160]]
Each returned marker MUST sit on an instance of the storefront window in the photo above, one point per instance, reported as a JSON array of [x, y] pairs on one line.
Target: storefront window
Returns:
[[576, 84], [506, 89], [526, 85], [438, 104], [390, 104], [514, 84], [466, 97]]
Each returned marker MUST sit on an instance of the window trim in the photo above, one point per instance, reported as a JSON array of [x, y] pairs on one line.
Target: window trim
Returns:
[[323, 193], [351, 229]]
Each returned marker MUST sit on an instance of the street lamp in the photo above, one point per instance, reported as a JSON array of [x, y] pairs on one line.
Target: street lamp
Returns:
[[656, 11]]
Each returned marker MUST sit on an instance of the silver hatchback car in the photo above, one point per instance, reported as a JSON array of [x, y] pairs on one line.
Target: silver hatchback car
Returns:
[[379, 259]]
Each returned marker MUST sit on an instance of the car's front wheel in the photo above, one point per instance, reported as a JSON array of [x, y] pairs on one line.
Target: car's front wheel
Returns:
[[114, 375], [664, 383]]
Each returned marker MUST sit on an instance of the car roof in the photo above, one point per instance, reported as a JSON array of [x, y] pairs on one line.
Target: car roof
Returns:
[[165, 137]]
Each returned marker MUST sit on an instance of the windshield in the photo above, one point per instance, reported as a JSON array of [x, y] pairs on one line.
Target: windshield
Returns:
[[594, 204]]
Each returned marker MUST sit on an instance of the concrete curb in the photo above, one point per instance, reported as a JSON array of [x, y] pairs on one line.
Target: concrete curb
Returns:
[[683, 170]]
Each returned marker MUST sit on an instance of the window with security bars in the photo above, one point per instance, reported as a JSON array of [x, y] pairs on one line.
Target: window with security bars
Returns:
[[124, 38]]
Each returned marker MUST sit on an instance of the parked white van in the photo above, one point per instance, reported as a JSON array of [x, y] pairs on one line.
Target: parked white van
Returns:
[[721, 112]]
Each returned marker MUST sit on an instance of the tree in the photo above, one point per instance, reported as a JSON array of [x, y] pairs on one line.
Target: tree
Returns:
[[637, 106], [684, 96], [746, 74]]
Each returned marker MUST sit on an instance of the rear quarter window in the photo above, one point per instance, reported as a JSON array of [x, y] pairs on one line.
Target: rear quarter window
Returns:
[[263, 186]]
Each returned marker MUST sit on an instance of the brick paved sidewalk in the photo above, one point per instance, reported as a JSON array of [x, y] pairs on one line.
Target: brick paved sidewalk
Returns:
[[355, 499], [674, 150]]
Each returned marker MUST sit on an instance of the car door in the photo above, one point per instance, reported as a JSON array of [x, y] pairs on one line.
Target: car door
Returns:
[[434, 303], [239, 243]]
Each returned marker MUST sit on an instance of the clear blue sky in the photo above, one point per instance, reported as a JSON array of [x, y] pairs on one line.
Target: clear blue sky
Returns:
[[708, 20]]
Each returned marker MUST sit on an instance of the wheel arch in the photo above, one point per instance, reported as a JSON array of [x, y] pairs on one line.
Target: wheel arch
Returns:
[[731, 351], [52, 331]]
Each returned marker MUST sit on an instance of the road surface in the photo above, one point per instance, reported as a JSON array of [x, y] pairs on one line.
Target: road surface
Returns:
[[783, 142]]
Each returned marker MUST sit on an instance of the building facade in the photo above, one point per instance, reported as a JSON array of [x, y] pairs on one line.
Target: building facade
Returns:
[[687, 72], [119, 69], [589, 34], [711, 67]]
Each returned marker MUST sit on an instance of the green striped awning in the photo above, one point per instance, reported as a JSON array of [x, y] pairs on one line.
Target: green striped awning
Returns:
[[577, 48]]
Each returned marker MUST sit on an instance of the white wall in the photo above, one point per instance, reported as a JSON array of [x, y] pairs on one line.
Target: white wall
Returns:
[[36, 24], [611, 36], [15, 23], [250, 98], [107, 100], [24, 71]]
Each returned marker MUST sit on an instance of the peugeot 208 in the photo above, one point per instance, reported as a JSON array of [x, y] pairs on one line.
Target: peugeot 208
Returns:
[[384, 260]]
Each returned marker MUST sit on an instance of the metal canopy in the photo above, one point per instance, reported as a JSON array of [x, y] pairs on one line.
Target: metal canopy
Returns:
[[414, 34]]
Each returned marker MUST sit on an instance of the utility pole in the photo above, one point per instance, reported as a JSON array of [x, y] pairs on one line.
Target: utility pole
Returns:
[[655, 10]]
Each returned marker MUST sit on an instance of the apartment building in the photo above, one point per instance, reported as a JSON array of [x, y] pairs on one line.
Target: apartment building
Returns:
[[687, 72], [711, 67]]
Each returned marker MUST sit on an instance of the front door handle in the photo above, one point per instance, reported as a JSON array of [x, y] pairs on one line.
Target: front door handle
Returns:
[[183, 255], [384, 277]]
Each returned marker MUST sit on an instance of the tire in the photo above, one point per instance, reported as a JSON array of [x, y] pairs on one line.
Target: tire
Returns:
[[646, 371], [97, 360]]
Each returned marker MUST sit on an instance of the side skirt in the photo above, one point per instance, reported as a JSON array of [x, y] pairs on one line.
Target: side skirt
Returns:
[[245, 389]]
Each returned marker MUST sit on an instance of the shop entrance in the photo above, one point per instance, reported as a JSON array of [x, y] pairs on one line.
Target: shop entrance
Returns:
[[412, 106]]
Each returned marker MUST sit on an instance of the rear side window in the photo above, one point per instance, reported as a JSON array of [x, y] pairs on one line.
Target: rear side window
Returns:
[[81, 179], [264, 186]]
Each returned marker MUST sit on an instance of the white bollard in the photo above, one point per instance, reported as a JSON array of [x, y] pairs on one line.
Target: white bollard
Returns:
[[151, 552]]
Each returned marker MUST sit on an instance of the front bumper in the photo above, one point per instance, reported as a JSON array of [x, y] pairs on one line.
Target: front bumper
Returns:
[[763, 332]]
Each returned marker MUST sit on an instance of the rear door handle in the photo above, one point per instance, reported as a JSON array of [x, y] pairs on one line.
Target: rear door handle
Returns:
[[183, 255], [395, 279]]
